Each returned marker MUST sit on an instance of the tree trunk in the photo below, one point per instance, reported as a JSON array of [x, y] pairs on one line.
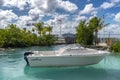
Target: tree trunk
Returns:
[[96, 38]]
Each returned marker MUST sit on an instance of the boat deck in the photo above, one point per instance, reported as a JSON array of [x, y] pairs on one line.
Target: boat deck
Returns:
[[71, 52]]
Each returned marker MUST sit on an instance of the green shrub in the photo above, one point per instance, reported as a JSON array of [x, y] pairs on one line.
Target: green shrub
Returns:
[[115, 47], [46, 40], [12, 36]]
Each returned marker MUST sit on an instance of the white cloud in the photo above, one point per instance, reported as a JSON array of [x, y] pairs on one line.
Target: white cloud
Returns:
[[110, 4], [89, 9], [117, 17], [40, 8], [36, 14], [48, 6], [16, 3], [107, 5], [68, 26], [63, 17], [23, 21], [45, 6], [1, 3], [79, 18], [116, 1], [67, 5], [92, 17], [7, 16], [110, 15], [111, 30], [88, 0]]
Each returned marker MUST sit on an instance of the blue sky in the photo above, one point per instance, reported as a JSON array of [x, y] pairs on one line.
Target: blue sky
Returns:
[[70, 12]]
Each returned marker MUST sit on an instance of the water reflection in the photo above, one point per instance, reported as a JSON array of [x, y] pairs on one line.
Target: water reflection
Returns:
[[73, 73]]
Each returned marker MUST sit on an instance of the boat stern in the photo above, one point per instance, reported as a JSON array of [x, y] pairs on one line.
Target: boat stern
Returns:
[[25, 56]]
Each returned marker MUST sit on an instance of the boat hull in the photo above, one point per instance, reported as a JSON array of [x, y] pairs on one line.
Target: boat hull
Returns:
[[76, 60]]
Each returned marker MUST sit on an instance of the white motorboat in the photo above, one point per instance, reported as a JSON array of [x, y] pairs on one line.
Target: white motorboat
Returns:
[[67, 56]]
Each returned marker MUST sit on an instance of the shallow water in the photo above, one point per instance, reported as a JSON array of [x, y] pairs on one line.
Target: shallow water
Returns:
[[13, 67]]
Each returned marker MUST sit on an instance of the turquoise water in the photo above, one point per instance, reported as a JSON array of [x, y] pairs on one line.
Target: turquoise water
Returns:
[[13, 67]]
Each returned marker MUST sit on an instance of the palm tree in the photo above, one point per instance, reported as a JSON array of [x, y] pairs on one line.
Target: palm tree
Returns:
[[49, 29], [81, 34], [97, 24], [24, 29], [44, 30], [33, 30], [39, 27]]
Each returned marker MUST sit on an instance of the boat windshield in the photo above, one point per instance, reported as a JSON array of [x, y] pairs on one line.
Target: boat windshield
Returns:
[[74, 46], [71, 46]]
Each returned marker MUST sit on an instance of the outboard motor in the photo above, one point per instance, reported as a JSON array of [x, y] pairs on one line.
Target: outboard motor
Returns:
[[25, 56]]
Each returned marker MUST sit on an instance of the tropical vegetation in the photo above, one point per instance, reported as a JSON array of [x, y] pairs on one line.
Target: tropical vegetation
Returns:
[[45, 37], [12, 36], [84, 34], [87, 32], [115, 47]]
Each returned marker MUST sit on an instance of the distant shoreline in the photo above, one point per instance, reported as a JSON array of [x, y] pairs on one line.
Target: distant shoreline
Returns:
[[4, 49], [93, 47]]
